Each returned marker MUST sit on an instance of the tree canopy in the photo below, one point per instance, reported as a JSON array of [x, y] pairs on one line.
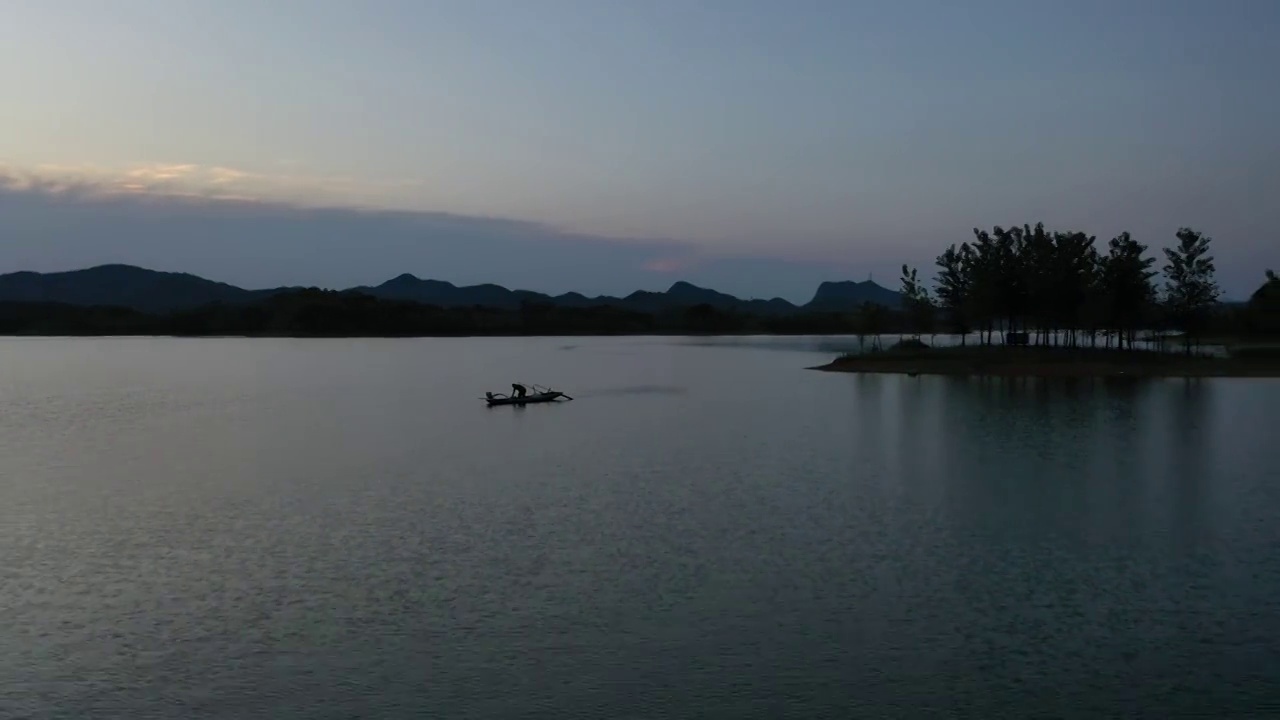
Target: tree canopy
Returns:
[[1062, 287]]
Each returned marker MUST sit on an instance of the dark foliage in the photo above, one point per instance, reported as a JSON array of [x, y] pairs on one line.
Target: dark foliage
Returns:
[[1262, 314], [1060, 288], [1190, 290], [327, 313], [150, 291], [1033, 286]]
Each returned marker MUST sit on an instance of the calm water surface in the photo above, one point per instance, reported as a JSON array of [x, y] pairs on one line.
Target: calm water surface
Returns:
[[341, 529]]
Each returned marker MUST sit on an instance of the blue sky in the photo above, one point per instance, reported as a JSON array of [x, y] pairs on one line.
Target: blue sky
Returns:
[[604, 145]]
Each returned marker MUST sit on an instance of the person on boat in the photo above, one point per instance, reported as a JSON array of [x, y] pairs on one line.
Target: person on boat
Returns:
[[518, 389]]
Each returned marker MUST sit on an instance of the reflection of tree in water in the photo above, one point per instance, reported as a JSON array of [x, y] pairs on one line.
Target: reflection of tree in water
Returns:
[[870, 407], [1190, 455], [1061, 449], [1116, 447], [1108, 551], [1016, 456], [917, 420]]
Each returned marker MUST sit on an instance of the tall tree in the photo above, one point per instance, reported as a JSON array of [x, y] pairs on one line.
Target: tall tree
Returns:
[[911, 292], [916, 302], [1094, 309], [1010, 277], [871, 321], [1264, 307], [1066, 288], [984, 270], [1126, 282], [1038, 267], [953, 282], [926, 314], [1072, 278], [1190, 288]]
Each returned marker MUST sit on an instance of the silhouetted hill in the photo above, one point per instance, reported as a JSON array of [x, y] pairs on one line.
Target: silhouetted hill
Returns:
[[683, 294], [344, 313], [312, 312], [151, 291], [446, 294], [121, 286], [690, 294], [573, 299], [846, 296], [831, 297], [679, 295]]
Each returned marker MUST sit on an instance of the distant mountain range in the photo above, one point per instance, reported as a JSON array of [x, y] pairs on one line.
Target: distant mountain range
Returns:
[[151, 291]]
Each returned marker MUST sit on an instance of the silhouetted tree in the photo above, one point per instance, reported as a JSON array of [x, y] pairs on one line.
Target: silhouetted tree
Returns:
[[916, 303], [1264, 307], [1060, 288], [1072, 281], [1054, 286], [925, 315], [1126, 283], [872, 321], [953, 281], [984, 281], [1190, 289]]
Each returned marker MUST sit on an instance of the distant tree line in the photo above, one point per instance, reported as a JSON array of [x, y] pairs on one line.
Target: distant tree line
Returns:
[[1061, 288], [327, 313], [1045, 288]]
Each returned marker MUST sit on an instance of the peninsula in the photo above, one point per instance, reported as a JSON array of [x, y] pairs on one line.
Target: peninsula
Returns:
[[997, 361], [1024, 301]]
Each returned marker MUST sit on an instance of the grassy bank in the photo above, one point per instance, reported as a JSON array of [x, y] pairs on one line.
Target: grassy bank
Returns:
[[1055, 362]]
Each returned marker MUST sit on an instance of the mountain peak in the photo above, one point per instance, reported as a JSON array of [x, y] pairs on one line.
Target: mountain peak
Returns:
[[679, 285], [119, 285], [155, 291], [120, 269], [850, 283], [689, 290], [411, 281], [843, 295]]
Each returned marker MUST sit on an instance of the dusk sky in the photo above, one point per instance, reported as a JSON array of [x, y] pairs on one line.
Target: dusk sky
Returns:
[[609, 145]]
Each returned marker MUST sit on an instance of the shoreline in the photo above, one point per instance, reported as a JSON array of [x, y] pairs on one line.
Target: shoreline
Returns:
[[411, 336], [1000, 361]]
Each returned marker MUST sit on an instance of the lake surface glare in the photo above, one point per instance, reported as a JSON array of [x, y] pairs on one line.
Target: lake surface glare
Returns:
[[235, 528]]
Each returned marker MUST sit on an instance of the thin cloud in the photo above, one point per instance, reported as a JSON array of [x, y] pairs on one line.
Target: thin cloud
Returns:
[[162, 172], [223, 175], [216, 182], [173, 217]]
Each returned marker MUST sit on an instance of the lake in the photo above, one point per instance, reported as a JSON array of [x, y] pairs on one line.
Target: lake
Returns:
[[235, 528]]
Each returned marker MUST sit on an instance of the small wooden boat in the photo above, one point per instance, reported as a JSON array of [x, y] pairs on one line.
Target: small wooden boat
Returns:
[[541, 396]]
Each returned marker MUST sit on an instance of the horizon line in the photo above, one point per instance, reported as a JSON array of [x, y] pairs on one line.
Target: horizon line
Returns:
[[130, 266]]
